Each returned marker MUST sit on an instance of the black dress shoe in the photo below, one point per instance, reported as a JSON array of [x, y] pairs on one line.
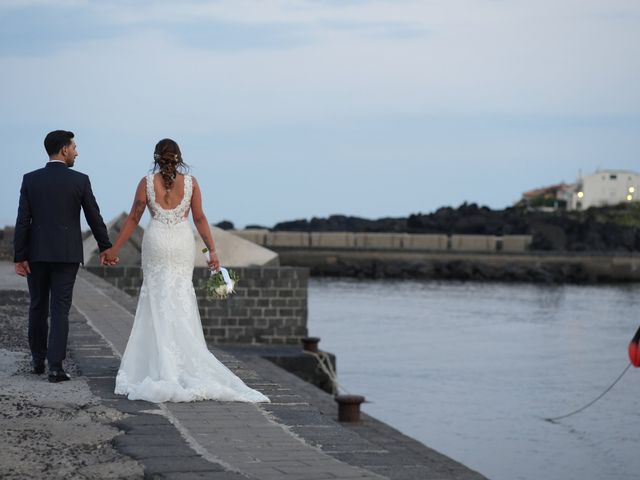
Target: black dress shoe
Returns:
[[38, 369], [59, 376]]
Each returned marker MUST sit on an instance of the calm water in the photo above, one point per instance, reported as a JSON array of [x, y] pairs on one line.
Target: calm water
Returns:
[[471, 370]]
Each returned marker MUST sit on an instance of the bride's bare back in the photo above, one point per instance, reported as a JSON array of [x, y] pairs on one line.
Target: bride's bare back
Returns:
[[167, 158], [168, 199]]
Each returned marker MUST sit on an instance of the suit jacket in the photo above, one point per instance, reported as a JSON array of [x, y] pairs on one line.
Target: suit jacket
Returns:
[[48, 223]]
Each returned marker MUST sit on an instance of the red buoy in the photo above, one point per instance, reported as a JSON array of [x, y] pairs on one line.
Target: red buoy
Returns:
[[634, 349]]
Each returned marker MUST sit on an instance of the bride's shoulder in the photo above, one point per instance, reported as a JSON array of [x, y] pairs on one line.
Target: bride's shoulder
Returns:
[[143, 182], [141, 189]]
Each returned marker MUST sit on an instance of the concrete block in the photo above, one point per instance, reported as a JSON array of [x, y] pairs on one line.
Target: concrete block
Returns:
[[270, 273], [426, 241], [333, 239], [516, 243], [473, 243], [288, 272], [287, 239], [255, 236], [380, 240]]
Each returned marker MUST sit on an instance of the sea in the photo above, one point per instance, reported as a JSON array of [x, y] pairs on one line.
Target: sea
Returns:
[[474, 370]]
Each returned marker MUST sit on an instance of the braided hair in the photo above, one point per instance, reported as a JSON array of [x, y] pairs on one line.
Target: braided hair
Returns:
[[168, 161]]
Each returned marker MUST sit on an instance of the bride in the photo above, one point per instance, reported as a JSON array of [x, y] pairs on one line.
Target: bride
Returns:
[[166, 358]]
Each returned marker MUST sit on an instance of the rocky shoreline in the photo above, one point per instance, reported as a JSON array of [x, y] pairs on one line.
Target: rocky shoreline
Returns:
[[499, 267], [600, 244], [454, 270]]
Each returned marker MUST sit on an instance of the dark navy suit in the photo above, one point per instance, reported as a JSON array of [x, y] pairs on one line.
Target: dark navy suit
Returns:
[[49, 237]]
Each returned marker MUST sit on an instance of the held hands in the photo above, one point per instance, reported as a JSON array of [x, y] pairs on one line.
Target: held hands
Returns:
[[109, 257], [23, 269]]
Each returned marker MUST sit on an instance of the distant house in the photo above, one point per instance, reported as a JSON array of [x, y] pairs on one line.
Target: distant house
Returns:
[[552, 197], [605, 187]]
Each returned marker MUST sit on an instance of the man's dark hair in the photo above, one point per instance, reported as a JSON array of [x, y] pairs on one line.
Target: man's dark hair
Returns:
[[54, 141]]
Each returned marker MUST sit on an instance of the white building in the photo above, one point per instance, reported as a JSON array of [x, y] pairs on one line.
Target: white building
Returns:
[[605, 187]]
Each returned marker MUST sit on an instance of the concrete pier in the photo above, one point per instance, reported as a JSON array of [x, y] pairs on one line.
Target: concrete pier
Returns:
[[297, 436]]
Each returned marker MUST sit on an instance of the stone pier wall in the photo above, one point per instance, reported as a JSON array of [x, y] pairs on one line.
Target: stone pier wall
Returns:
[[269, 307], [398, 242]]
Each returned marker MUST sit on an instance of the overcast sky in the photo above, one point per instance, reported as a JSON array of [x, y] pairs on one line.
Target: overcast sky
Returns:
[[293, 109]]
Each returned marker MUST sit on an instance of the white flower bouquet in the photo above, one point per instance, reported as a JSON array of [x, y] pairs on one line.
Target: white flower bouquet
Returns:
[[221, 283]]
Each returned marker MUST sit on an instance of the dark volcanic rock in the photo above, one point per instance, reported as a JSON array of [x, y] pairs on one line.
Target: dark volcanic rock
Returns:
[[225, 225], [256, 227], [459, 269], [615, 228]]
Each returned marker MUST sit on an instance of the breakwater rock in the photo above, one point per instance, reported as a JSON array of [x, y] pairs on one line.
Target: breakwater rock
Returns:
[[601, 229], [541, 267]]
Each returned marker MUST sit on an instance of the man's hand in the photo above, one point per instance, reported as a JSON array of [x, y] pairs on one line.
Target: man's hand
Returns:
[[109, 258], [23, 269]]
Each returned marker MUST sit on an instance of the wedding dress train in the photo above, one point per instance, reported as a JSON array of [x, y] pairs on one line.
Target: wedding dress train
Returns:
[[166, 358]]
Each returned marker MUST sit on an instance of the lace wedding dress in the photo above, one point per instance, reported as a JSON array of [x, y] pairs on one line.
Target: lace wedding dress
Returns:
[[166, 358]]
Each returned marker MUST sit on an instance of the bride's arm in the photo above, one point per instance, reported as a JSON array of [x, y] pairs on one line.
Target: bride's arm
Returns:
[[200, 220], [132, 221]]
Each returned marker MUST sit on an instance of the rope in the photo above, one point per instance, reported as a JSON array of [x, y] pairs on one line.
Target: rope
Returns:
[[553, 419], [324, 362]]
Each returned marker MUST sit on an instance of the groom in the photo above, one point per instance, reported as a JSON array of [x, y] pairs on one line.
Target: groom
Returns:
[[48, 247]]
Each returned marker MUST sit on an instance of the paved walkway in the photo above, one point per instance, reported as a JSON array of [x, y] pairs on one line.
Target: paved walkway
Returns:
[[294, 437], [238, 436]]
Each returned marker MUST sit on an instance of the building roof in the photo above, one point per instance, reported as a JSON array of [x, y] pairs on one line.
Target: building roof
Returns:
[[548, 190], [612, 171]]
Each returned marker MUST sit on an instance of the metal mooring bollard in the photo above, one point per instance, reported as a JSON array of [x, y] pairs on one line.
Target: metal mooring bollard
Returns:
[[310, 344], [349, 407]]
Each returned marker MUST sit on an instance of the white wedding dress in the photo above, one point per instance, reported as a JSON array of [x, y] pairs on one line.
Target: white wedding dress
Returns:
[[166, 358]]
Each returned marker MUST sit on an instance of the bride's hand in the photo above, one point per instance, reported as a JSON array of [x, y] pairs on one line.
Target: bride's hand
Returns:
[[214, 263], [109, 257]]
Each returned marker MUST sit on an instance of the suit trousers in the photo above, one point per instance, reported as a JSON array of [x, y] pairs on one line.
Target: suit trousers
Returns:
[[51, 290]]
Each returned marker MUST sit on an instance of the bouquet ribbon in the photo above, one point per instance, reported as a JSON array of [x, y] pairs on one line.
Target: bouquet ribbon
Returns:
[[226, 277], [225, 273]]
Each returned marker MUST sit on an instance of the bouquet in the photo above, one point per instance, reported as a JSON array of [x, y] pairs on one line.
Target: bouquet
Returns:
[[221, 283]]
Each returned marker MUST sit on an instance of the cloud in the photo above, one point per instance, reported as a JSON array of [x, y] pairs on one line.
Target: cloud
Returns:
[[288, 61], [42, 29], [461, 88], [8, 5]]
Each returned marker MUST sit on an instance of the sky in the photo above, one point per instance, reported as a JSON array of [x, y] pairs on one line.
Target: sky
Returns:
[[292, 109]]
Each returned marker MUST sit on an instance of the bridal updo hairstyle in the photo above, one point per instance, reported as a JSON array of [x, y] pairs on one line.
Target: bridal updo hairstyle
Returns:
[[168, 161]]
